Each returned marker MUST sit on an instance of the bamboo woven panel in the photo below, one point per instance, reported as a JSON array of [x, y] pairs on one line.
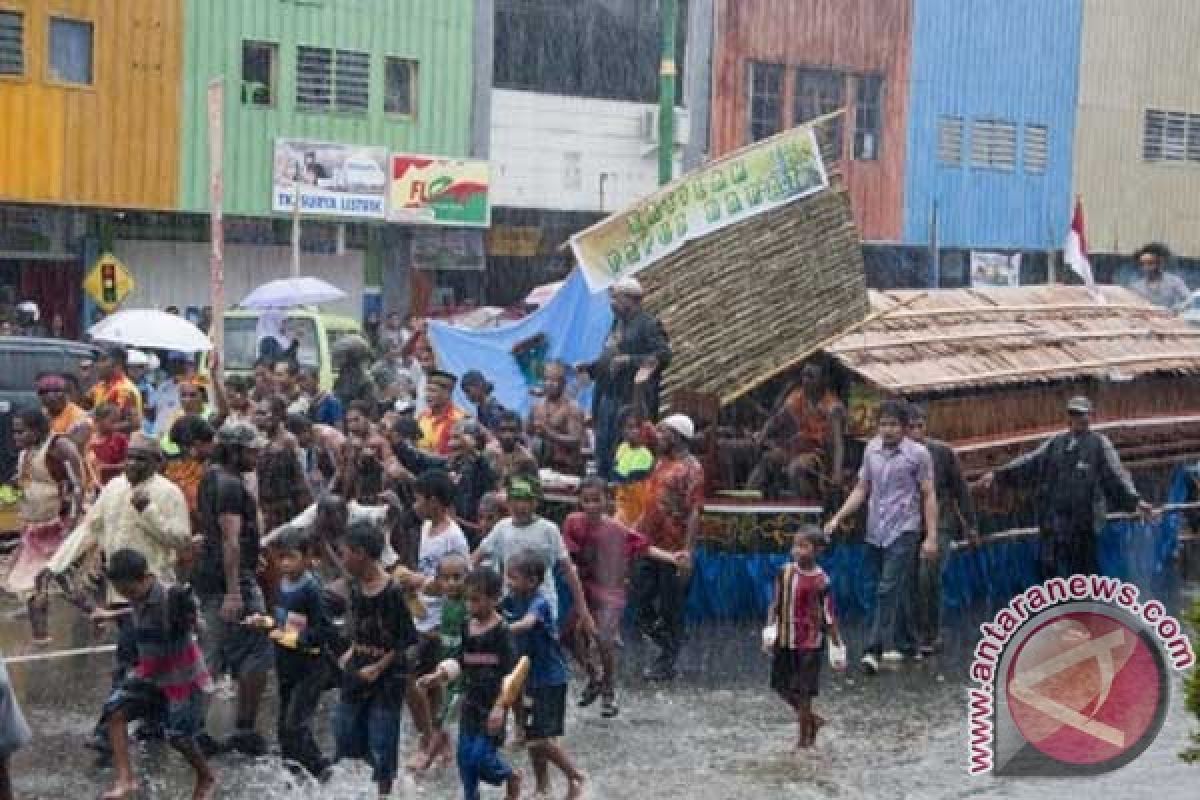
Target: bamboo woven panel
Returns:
[[760, 295]]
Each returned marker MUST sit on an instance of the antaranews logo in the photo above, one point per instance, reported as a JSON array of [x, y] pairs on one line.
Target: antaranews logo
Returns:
[[1072, 678]]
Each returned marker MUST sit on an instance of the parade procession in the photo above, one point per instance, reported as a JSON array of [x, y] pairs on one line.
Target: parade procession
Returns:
[[713, 399]]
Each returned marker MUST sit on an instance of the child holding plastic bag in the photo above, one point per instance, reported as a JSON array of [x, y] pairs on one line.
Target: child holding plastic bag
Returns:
[[801, 614]]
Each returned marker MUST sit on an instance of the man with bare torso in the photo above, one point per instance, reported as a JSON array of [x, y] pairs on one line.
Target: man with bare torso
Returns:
[[557, 425]]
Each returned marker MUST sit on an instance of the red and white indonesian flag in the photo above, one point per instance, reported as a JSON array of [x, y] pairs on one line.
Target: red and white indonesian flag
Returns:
[[1075, 253]]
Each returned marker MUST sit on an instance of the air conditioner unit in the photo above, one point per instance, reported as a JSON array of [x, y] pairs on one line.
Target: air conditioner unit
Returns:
[[683, 129]]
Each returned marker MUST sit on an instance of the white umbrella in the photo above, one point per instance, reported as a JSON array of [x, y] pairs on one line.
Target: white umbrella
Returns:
[[289, 292], [156, 330], [543, 294]]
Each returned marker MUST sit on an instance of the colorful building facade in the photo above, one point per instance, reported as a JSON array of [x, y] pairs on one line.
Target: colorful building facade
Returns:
[[966, 106]]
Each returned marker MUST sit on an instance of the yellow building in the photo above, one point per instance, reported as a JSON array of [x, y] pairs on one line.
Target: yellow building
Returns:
[[89, 102], [1137, 145]]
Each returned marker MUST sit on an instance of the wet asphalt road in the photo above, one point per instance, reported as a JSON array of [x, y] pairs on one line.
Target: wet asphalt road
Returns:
[[718, 734]]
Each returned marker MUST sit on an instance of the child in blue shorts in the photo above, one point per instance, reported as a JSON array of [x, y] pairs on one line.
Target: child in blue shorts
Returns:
[[487, 657], [531, 621]]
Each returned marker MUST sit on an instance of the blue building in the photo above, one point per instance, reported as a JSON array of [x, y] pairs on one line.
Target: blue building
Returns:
[[991, 123]]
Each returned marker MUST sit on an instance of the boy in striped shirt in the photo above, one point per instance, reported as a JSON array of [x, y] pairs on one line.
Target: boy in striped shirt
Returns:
[[170, 677]]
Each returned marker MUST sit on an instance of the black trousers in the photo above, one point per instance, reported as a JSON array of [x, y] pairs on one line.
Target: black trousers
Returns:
[[659, 593], [1069, 552], [302, 680]]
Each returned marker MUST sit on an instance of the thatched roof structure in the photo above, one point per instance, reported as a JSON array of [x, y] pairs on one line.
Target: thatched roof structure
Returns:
[[926, 343], [750, 301]]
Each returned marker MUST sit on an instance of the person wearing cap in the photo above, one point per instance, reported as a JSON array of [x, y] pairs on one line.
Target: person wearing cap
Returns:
[[628, 370], [138, 510], [66, 418], [671, 522], [1156, 285], [1078, 477], [113, 386], [478, 390], [440, 416], [224, 577], [525, 530]]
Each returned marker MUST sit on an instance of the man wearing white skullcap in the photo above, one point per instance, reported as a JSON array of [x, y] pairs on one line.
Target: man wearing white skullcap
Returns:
[[671, 522], [628, 371]]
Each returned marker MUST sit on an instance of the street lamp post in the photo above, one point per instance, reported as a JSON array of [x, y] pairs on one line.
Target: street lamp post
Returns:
[[666, 93]]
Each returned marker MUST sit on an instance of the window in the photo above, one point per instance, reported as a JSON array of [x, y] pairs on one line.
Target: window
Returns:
[[351, 81], [994, 145], [950, 141], [766, 100], [71, 51], [868, 118], [1171, 137], [1037, 149], [332, 79], [12, 43], [400, 87], [314, 78], [819, 92], [259, 61]]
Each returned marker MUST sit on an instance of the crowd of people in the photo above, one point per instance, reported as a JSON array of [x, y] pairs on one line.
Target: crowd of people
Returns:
[[378, 539], [375, 538]]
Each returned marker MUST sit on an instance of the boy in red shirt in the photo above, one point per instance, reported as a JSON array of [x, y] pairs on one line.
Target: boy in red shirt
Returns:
[[603, 550]]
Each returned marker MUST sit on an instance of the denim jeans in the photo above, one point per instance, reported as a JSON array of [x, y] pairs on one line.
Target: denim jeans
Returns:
[[929, 590], [369, 731], [479, 759], [894, 569]]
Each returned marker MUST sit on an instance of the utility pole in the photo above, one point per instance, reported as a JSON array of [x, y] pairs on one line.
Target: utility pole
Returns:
[[667, 75]]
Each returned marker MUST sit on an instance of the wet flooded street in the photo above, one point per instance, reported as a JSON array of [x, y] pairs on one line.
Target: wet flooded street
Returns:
[[718, 734]]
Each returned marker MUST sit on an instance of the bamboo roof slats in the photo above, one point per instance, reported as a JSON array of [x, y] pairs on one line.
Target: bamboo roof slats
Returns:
[[970, 339]]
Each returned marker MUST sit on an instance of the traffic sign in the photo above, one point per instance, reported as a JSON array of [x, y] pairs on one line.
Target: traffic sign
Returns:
[[108, 282]]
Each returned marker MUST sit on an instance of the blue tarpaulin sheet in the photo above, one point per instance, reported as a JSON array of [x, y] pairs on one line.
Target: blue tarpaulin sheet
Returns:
[[575, 323]]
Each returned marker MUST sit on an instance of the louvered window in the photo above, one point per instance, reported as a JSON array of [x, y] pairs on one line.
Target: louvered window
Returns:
[[950, 141], [351, 81], [994, 145], [1171, 137], [314, 78], [12, 43], [1037, 149]]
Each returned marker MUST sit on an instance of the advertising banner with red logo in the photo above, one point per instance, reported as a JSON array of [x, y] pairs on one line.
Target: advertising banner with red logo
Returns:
[[427, 190]]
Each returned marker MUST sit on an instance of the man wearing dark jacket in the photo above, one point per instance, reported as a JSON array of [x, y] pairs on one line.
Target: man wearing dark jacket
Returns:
[[956, 517], [628, 371], [1078, 474]]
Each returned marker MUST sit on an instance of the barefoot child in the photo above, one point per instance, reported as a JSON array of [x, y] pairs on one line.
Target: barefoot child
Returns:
[[302, 628], [441, 537], [801, 612], [170, 677], [536, 636], [487, 657], [367, 718], [603, 550]]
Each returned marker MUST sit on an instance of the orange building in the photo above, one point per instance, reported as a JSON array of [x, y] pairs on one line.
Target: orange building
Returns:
[[778, 63]]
